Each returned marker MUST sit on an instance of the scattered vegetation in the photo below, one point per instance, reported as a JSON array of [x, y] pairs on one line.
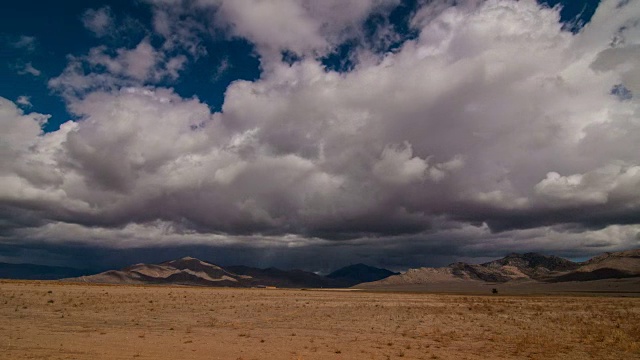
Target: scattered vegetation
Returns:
[[372, 325]]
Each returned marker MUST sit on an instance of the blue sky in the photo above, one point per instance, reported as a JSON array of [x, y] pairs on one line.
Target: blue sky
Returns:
[[305, 134], [50, 49]]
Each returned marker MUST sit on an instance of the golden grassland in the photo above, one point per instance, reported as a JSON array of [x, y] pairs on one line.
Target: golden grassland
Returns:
[[52, 320]]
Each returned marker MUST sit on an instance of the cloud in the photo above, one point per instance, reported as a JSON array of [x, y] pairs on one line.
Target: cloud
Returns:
[[140, 65], [99, 21], [24, 101], [29, 69], [114, 29], [179, 28], [28, 43], [105, 248], [611, 184], [397, 166], [222, 68], [494, 129], [301, 26]]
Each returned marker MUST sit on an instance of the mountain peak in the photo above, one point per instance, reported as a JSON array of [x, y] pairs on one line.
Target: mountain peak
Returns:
[[193, 264], [530, 262], [358, 273], [188, 258], [359, 266]]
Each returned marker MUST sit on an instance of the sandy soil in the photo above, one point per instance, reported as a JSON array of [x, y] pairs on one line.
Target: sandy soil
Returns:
[[609, 287], [50, 320]]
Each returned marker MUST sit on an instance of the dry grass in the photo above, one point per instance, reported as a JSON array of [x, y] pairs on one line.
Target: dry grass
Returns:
[[62, 321]]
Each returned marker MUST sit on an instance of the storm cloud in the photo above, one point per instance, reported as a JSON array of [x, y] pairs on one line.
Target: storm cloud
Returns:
[[493, 129]]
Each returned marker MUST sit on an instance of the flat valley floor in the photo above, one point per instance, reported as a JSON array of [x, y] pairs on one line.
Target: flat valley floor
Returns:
[[51, 320]]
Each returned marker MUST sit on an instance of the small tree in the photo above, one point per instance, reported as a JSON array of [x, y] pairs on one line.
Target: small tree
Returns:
[[494, 291]]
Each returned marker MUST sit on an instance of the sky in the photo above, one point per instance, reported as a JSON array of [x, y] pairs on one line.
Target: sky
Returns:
[[317, 134]]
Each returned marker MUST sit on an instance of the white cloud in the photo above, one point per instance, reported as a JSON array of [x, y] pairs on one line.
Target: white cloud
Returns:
[[179, 29], [127, 67], [277, 25], [302, 26], [612, 183], [397, 166], [18, 130]]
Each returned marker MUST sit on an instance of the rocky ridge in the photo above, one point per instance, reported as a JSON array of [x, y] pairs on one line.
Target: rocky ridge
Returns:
[[529, 267]]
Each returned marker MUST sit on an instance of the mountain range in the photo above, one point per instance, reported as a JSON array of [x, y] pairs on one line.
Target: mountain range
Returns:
[[195, 272], [513, 270], [519, 271]]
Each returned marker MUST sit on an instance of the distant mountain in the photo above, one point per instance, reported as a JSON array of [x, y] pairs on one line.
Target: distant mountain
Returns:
[[528, 270], [184, 271], [618, 265], [533, 265], [285, 278], [38, 272], [192, 271], [517, 268], [359, 273]]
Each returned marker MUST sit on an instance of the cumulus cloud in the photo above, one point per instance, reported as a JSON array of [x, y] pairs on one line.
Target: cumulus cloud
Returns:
[[303, 27], [494, 129], [140, 65], [397, 166], [613, 183]]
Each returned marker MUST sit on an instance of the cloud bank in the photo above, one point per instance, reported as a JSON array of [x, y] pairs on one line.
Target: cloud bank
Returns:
[[493, 130]]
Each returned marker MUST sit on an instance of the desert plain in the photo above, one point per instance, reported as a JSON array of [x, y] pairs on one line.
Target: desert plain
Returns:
[[55, 320]]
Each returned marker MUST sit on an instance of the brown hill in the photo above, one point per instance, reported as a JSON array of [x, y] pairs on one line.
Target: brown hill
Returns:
[[192, 271], [617, 265], [185, 271], [532, 265], [523, 270]]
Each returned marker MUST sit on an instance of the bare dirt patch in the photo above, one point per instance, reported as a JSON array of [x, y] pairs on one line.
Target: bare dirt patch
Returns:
[[51, 320]]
